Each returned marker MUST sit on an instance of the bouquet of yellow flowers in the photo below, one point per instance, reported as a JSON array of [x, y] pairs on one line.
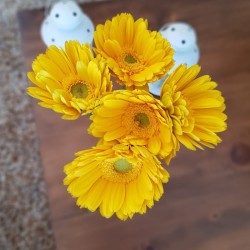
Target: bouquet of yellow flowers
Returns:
[[123, 173]]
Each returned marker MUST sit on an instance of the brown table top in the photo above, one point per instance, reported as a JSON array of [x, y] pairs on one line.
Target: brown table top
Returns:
[[206, 205]]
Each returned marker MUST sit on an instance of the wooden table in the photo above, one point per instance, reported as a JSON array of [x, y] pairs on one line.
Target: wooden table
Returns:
[[206, 205]]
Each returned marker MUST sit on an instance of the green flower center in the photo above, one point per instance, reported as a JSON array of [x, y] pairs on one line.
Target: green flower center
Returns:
[[143, 120], [130, 59], [122, 166], [79, 90]]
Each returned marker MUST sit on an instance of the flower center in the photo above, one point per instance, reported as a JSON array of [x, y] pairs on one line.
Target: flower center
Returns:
[[142, 119], [130, 62], [120, 170], [79, 90], [122, 166], [130, 59]]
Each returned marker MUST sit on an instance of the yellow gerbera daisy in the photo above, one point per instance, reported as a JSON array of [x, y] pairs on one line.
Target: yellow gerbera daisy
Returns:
[[195, 107], [116, 178], [69, 80], [135, 55], [133, 117]]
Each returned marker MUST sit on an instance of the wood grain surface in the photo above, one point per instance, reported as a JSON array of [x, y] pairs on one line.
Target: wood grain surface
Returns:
[[206, 205]]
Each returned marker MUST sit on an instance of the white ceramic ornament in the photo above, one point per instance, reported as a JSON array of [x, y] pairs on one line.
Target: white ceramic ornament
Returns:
[[66, 21], [183, 40]]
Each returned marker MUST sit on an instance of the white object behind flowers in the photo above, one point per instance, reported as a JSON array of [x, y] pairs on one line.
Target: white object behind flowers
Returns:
[[66, 21], [183, 40]]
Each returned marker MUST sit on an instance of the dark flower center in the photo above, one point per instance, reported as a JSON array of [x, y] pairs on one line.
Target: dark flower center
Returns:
[[79, 90], [130, 59], [143, 120]]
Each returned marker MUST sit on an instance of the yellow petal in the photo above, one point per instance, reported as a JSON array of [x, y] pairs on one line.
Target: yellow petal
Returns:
[[114, 134], [154, 145]]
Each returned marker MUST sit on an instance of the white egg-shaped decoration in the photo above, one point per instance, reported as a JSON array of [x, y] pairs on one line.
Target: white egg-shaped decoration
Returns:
[[66, 21], [183, 40], [181, 35]]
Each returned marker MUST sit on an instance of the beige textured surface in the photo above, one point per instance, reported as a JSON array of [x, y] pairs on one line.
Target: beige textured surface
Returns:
[[24, 211], [24, 214]]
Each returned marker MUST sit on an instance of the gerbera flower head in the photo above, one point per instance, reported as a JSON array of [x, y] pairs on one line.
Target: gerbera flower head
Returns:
[[116, 178], [195, 106], [135, 55], [69, 80], [133, 117]]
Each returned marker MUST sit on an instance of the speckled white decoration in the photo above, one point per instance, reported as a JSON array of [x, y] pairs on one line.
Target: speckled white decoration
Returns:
[[183, 39], [66, 21]]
